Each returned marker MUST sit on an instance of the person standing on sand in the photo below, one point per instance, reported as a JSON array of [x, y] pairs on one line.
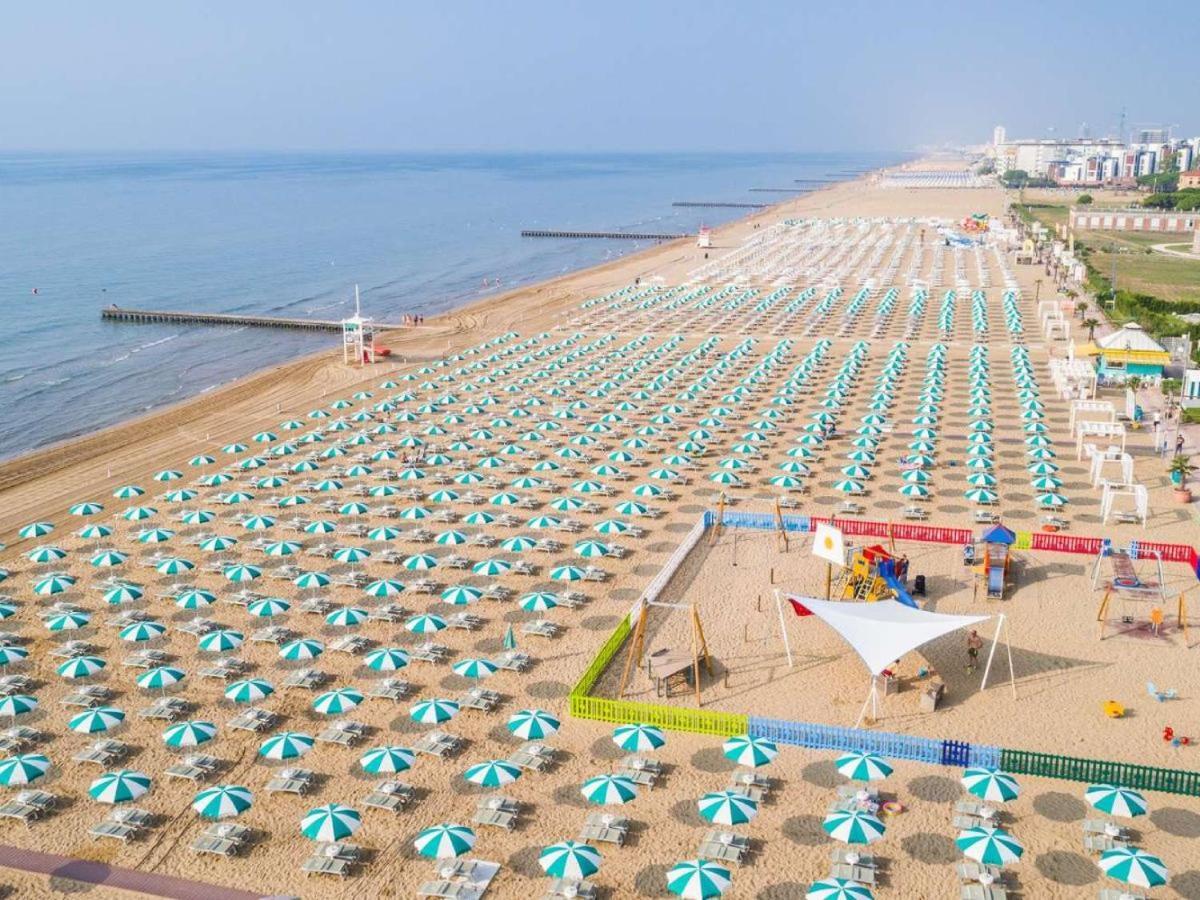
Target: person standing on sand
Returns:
[[974, 645]]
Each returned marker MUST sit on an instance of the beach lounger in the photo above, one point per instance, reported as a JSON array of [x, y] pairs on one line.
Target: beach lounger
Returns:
[[103, 753], [976, 810], [145, 659], [352, 644], [41, 800], [306, 679], [119, 831], [569, 888], [540, 628], [196, 767], [840, 855], [971, 871], [291, 781], [639, 776], [390, 689], [392, 796], [1118, 894], [429, 652], [339, 850], [344, 734], [437, 743], [392, 612], [512, 660], [22, 812], [1099, 843], [498, 818], [217, 846], [479, 698], [982, 892], [464, 621], [602, 833], [451, 890], [964, 822], [719, 852], [861, 874]]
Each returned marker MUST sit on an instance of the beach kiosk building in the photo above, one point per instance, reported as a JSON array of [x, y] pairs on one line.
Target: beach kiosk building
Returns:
[[1128, 351]]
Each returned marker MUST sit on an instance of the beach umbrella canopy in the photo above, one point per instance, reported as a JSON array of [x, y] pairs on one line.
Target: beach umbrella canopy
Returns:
[[420, 562], [249, 690], [220, 641], [120, 786], [863, 766], [86, 508], [853, 826], [539, 601], [386, 659], [54, 584], [727, 808], [698, 879], [81, 667], [189, 734], [331, 822], [384, 587], [43, 555], [838, 889], [638, 738], [23, 769], [308, 581], [750, 751], [386, 760], [566, 573], [102, 718], [1134, 866], [67, 621], [493, 773], [286, 745], [425, 623], [474, 667], [444, 841], [301, 648], [17, 704], [609, 789], [1116, 801], [991, 784], [222, 801], [569, 859], [35, 530], [139, 632], [195, 598], [990, 846], [160, 677], [242, 573], [433, 711], [268, 607], [337, 701], [347, 616], [94, 532], [532, 724]]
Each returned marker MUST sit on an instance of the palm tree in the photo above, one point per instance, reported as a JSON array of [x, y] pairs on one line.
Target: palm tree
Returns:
[[1091, 325], [1081, 308]]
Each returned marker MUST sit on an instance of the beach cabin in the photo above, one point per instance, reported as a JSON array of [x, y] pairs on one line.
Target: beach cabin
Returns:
[[1128, 351]]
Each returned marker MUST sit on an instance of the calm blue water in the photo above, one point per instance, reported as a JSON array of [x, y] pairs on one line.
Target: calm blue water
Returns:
[[290, 235]]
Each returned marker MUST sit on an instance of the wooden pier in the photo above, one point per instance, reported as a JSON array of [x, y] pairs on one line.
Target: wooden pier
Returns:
[[780, 190], [706, 204], [159, 316], [604, 235]]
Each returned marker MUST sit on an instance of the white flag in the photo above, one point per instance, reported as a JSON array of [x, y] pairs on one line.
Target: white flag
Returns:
[[829, 546]]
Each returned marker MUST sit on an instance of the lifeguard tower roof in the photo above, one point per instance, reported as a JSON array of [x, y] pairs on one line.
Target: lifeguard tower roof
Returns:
[[998, 534]]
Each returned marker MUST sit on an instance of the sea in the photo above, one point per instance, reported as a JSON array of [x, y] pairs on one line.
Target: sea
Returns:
[[291, 235]]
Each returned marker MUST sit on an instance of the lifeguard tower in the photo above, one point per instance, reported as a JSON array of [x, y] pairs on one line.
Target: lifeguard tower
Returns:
[[358, 337], [704, 238]]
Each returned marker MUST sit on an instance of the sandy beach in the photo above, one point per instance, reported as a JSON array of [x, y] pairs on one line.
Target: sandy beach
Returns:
[[594, 357]]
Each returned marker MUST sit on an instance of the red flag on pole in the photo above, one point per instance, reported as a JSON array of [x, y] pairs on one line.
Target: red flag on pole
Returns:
[[799, 608]]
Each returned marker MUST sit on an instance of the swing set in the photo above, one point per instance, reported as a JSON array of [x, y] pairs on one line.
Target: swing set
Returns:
[[1129, 585], [667, 663]]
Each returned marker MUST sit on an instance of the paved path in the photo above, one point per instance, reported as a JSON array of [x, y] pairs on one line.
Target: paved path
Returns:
[[88, 872], [1182, 254]]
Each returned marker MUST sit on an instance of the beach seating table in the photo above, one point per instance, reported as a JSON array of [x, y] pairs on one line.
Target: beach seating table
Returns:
[[291, 781], [390, 689]]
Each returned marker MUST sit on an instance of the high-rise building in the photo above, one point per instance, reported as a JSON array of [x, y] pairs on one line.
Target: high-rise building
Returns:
[[998, 135], [1153, 136]]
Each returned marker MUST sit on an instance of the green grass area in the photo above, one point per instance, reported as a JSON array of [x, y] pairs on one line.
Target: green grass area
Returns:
[[1140, 268], [1191, 416]]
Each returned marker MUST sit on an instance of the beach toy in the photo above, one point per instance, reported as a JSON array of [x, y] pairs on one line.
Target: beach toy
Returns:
[[1113, 709], [891, 808]]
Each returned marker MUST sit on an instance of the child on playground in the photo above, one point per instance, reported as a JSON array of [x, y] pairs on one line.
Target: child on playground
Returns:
[[974, 645]]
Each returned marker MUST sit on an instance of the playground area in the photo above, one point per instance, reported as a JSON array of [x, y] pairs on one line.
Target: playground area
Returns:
[[1065, 669]]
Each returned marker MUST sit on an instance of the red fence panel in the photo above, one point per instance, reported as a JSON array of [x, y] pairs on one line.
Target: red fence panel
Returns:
[[1065, 543]]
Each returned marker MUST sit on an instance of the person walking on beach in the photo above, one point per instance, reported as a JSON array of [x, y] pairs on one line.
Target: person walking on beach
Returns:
[[1179, 445], [974, 645]]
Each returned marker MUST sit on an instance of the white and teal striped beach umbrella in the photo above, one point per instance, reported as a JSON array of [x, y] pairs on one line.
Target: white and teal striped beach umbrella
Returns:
[[223, 801], [196, 517], [87, 508], [282, 548], [331, 822], [351, 555], [566, 573], [750, 751], [539, 601], [23, 769], [139, 513], [1134, 866], [384, 587], [240, 574], [195, 599], [12, 654], [533, 724], [54, 584], [268, 607], [420, 562], [570, 859], [174, 565], [386, 760], [300, 649], [990, 846], [308, 581], [35, 530], [433, 711], [94, 531], [444, 841], [347, 617], [638, 738], [698, 879], [727, 808], [838, 889], [518, 544], [461, 595], [451, 538], [991, 784], [140, 632], [492, 567], [218, 544], [425, 623], [160, 677], [320, 526], [189, 734], [863, 766], [43, 555], [128, 492], [493, 773], [248, 690], [337, 701], [1115, 800], [120, 786], [102, 718], [474, 667], [221, 641], [609, 789], [386, 659], [81, 667], [286, 745], [853, 826], [67, 621]]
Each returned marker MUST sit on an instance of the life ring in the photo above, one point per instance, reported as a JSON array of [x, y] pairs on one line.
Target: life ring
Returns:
[[892, 808]]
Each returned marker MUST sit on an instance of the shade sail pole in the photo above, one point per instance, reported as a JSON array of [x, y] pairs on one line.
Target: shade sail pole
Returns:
[[783, 628]]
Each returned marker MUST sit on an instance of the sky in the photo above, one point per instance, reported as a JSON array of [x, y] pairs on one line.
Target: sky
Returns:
[[527, 75]]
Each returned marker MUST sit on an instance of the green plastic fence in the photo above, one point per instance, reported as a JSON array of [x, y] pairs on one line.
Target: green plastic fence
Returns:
[[1095, 771], [603, 657], [672, 718]]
